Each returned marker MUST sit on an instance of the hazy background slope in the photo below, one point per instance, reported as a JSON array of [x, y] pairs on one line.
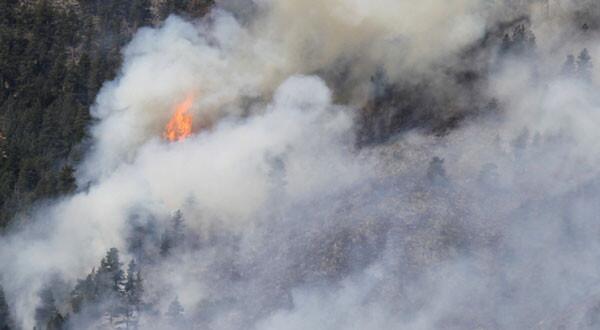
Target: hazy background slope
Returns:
[[351, 165]]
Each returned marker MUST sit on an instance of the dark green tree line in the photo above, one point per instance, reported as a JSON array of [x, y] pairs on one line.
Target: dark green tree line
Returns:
[[54, 58]]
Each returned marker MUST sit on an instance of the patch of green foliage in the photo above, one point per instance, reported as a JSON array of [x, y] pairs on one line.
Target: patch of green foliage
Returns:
[[54, 58]]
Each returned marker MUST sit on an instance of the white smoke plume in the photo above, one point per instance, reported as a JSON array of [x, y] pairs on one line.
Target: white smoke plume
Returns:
[[289, 225]]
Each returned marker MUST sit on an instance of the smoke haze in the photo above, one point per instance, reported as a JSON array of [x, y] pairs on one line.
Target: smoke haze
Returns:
[[478, 209]]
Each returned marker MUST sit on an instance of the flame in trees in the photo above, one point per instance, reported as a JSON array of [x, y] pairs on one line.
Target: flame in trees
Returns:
[[179, 126]]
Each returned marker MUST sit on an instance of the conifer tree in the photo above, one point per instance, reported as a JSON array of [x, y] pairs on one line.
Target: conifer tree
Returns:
[[134, 290], [46, 312], [584, 66], [174, 235], [85, 293], [5, 318], [140, 12], [175, 314], [110, 280]]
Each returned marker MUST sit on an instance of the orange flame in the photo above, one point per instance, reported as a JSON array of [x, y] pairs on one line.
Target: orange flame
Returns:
[[179, 126]]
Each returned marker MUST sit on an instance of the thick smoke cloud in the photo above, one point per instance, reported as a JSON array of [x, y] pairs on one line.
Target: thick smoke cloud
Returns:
[[288, 224], [225, 63], [226, 174]]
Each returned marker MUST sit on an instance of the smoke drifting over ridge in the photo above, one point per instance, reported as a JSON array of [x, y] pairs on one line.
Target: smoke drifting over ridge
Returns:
[[489, 222]]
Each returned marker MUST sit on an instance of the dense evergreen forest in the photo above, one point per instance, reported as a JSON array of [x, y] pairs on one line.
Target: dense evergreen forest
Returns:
[[54, 57]]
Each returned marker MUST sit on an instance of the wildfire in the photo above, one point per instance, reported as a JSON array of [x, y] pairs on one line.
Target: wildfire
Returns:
[[179, 126]]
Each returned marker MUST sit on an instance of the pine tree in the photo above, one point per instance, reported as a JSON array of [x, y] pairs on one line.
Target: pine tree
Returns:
[[58, 322], [175, 314], [134, 284], [110, 274], [46, 312], [5, 319], [584, 66], [110, 280], [144, 239], [85, 293], [506, 44], [173, 236], [110, 293], [521, 42], [380, 83], [134, 290], [66, 183], [140, 12]]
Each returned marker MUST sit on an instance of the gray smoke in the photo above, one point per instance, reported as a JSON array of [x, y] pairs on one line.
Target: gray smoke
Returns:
[[289, 225]]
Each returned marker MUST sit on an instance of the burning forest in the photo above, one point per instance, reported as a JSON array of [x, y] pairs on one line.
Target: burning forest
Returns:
[[179, 126], [335, 164]]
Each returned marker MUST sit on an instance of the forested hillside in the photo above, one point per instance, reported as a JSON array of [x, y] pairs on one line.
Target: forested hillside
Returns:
[[54, 57], [299, 164]]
